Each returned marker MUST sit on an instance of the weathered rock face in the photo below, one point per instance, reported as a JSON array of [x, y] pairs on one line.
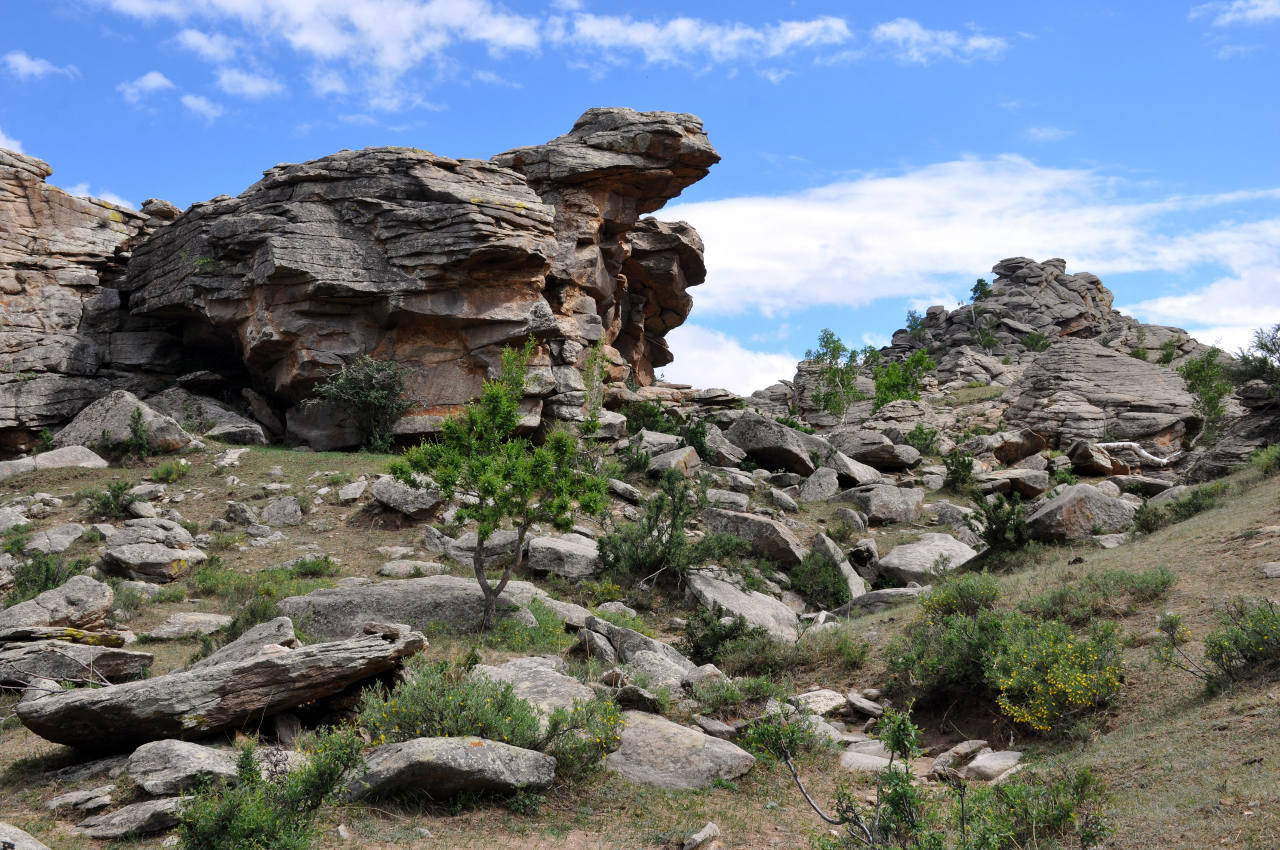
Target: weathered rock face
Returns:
[[439, 263], [1078, 389], [65, 338]]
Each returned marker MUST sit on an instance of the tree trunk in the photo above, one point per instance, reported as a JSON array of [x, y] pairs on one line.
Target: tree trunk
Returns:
[[490, 595]]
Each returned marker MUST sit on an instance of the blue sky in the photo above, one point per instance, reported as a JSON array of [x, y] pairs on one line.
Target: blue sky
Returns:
[[878, 156]]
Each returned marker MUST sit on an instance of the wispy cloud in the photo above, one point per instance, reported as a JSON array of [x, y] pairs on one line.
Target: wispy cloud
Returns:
[[490, 78], [135, 91], [234, 81], [912, 42], [326, 83], [1239, 12], [202, 106], [7, 141], [214, 47], [26, 67], [710, 358], [1046, 134], [933, 229]]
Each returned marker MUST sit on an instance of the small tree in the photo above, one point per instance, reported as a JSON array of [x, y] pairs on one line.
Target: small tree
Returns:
[[506, 478], [1261, 360], [897, 380], [838, 371], [980, 290], [372, 391], [1206, 380]]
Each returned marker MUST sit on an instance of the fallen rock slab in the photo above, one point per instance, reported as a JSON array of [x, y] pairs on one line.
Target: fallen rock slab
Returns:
[[189, 624], [538, 681], [273, 633], [413, 502], [662, 754], [164, 768], [69, 456], [105, 426], [61, 661], [197, 703], [1078, 513], [81, 603], [885, 503], [444, 767], [755, 607], [921, 560], [138, 819]]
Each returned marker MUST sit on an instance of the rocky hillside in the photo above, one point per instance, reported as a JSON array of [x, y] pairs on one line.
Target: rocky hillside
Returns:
[[393, 252]]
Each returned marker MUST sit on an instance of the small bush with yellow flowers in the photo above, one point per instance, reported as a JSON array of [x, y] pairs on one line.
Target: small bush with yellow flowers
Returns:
[[1047, 677]]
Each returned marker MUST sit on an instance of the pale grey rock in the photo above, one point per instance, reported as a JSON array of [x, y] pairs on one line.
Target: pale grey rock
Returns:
[[859, 762], [821, 701], [499, 548], [26, 661], [727, 499], [164, 768], [756, 608], [1078, 513], [137, 819], [822, 486], [624, 491], [770, 444], [19, 839], [658, 753], [11, 518], [921, 560], [857, 585], [991, 766], [1271, 570], [444, 767], [86, 802], [189, 624], [105, 424], [708, 832], [1027, 483], [683, 460], [81, 602], [262, 637], [352, 492], [68, 456], [204, 416], [878, 600], [158, 550], [862, 704], [767, 536], [410, 569], [782, 501], [654, 442], [568, 555], [282, 511], [885, 503], [56, 539], [415, 502], [539, 681]]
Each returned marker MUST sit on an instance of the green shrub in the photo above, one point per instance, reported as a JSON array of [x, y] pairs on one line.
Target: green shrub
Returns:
[[723, 697], [1036, 809], [694, 435], [1266, 460], [111, 503], [915, 325], [839, 648], [649, 416], [626, 621], [1003, 523], [657, 548], [959, 466], [960, 593], [776, 737], [836, 384], [547, 635], [275, 811], [705, 636], [41, 572], [923, 439], [1261, 360], [171, 471], [215, 578], [1206, 380], [1110, 593], [1149, 517], [220, 541], [819, 581], [372, 392], [980, 290], [1048, 677], [1065, 476], [1168, 351], [794, 424], [634, 459], [137, 444], [16, 539], [942, 659], [1036, 341], [1246, 644], [314, 566], [1139, 354], [762, 654], [444, 699], [899, 380]]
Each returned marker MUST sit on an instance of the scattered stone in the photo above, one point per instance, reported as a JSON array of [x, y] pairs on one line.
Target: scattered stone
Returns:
[[86, 802], [860, 703], [859, 762], [352, 492], [822, 486], [211, 418], [24, 662], [662, 754], [878, 600], [449, 766], [770, 444], [164, 768], [56, 539], [822, 702], [157, 550], [920, 561], [624, 491], [284, 511], [1271, 570], [727, 499], [701, 837], [616, 608], [189, 624], [413, 502], [137, 819], [782, 500], [755, 607], [410, 569]]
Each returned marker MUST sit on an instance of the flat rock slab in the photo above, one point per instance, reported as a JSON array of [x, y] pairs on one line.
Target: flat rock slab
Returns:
[[81, 603], [56, 459], [1078, 513], [752, 605], [56, 539], [189, 624], [444, 767], [568, 555], [169, 767], [138, 819], [767, 536], [878, 600], [19, 839], [410, 569], [277, 634], [452, 601], [662, 754], [61, 661], [538, 681], [198, 703], [919, 561], [859, 762], [989, 767]]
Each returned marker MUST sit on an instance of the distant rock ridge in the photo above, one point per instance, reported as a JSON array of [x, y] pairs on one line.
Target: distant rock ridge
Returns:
[[393, 252]]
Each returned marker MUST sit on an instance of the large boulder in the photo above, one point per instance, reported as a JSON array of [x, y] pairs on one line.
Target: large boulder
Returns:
[[156, 550], [538, 681], [444, 767], [439, 263], [106, 425], [714, 591], [1078, 513], [413, 502], [662, 754], [921, 560], [885, 503], [771, 444], [163, 768], [25, 661], [568, 555], [80, 602], [208, 418], [874, 449], [203, 702], [767, 536], [450, 601], [1079, 389]]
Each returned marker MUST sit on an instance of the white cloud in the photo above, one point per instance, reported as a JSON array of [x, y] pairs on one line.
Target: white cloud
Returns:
[[243, 84], [1239, 12], [9, 142], [684, 41], [81, 190], [709, 358], [493, 79], [358, 118], [327, 82], [26, 67], [202, 106], [214, 47], [775, 75], [912, 42], [148, 84], [1047, 134], [932, 230]]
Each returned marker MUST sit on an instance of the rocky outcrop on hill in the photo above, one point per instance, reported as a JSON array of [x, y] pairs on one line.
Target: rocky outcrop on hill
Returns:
[[66, 335], [410, 256]]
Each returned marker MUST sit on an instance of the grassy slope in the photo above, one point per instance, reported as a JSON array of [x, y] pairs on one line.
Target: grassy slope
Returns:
[[1186, 771]]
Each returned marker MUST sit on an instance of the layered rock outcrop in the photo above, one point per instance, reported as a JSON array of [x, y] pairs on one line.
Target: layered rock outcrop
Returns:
[[438, 263], [66, 336]]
